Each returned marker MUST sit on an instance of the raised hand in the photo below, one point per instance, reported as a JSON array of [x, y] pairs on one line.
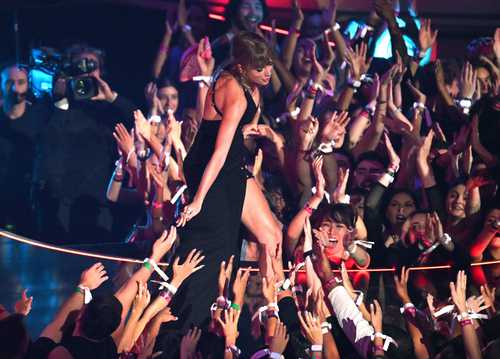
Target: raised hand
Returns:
[[154, 103], [335, 128], [124, 139], [357, 60], [142, 126], [439, 74], [376, 316], [297, 15], [342, 178], [426, 37], [225, 271], [165, 316], [458, 292], [317, 166], [418, 95], [189, 343], [394, 159], [311, 327], [230, 325], [142, 298], [401, 285], [23, 305], [489, 294], [307, 133], [384, 9], [346, 281], [190, 266], [240, 285], [163, 244], [94, 276], [468, 81], [204, 57], [425, 149], [318, 71], [182, 13], [269, 289], [279, 339]]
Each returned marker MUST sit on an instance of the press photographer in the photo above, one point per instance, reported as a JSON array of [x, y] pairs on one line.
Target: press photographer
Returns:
[[76, 152]]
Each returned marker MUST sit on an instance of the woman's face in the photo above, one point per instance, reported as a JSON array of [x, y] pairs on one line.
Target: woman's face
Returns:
[[169, 98], [337, 234], [260, 76], [492, 218], [302, 59], [250, 14], [456, 200], [401, 206], [484, 78]]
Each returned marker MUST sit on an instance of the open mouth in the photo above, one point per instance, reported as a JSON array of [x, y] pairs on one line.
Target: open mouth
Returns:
[[400, 218]]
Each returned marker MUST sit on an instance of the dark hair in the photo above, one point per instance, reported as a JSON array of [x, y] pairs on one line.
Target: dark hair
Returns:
[[163, 82], [231, 12], [101, 317], [339, 213], [249, 49], [391, 194], [370, 156], [13, 337]]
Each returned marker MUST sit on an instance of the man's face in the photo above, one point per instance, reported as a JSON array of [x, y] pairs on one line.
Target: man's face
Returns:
[[251, 14], [14, 85], [367, 173]]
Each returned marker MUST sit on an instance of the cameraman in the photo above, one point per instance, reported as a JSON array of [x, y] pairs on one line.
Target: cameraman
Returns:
[[75, 157], [20, 125]]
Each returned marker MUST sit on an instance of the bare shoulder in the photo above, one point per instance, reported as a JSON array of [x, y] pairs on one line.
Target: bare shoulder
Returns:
[[228, 86], [60, 352]]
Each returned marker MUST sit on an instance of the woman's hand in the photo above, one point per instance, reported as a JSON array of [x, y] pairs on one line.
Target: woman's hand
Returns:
[[23, 305], [182, 271], [458, 292], [225, 274], [425, 149], [357, 60], [94, 276], [269, 289], [124, 139], [317, 166], [426, 37], [163, 244], [204, 57], [279, 339], [189, 212], [339, 194], [394, 159], [189, 343], [240, 285], [468, 81], [154, 103], [401, 285], [311, 327], [335, 128], [230, 326], [142, 126], [418, 95], [376, 316], [307, 133], [142, 298]]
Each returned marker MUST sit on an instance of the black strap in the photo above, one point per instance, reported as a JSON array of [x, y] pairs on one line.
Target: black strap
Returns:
[[213, 99]]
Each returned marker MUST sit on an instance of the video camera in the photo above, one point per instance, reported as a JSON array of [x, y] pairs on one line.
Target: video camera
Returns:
[[48, 66]]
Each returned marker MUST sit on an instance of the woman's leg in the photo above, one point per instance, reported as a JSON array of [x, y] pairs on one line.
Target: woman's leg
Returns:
[[259, 220]]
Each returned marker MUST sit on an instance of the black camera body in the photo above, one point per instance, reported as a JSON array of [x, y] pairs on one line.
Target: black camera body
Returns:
[[47, 66]]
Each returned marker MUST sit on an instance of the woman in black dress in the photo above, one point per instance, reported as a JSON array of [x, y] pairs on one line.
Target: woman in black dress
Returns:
[[223, 192]]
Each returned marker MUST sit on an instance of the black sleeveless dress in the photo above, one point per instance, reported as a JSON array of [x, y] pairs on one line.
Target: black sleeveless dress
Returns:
[[215, 230]]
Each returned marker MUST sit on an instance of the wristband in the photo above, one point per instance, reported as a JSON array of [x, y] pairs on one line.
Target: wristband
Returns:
[[359, 298], [465, 322], [167, 295], [87, 296], [293, 30], [235, 306], [161, 273], [154, 119], [355, 84], [308, 253], [308, 209], [387, 340], [325, 327], [419, 106], [233, 349], [274, 355], [186, 28], [316, 348], [157, 205], [283, 285], [223, 302], [129, 154], [203, 79], [410, 307], [118, 178], [163, 48]]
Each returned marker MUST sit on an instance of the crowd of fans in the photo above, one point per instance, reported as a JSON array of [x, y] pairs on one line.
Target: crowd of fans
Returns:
[[367, 161]]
